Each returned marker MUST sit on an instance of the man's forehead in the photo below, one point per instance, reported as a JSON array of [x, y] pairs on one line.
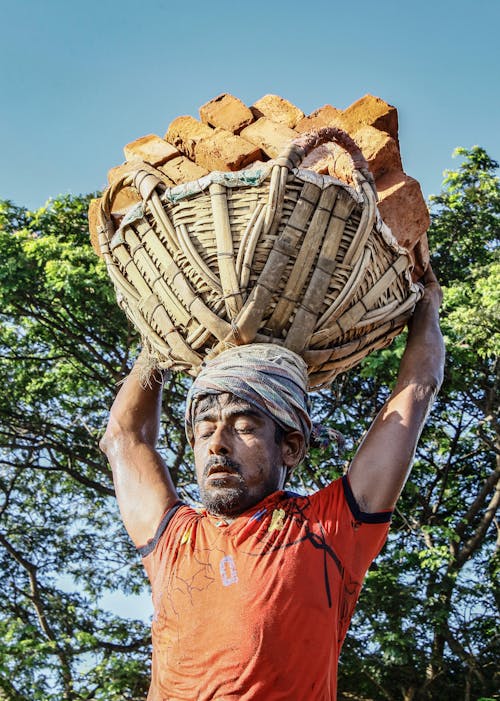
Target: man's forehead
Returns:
[[223, 402]]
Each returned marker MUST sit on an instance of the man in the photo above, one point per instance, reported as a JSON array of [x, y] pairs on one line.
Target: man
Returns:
[[253, 595]]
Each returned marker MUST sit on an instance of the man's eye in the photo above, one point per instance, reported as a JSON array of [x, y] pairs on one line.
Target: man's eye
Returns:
[[244, 429], [204, 432]]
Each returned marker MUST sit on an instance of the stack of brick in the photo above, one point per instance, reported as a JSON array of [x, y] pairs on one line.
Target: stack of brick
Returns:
[[230, 136]]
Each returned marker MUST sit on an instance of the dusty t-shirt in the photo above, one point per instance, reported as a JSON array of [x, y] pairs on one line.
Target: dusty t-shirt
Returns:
[[258, 608]]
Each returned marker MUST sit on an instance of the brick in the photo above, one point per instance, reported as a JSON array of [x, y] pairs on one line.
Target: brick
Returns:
[[185, 132], [269, 136], [93, 218], [326, 116], [421, 257], [150, 148], [278, 110], [371, 111], [116, 173], [380, 150], [182, 170], [225, 151], [330, 159], [125, 198], [402, 207], [226, 112]]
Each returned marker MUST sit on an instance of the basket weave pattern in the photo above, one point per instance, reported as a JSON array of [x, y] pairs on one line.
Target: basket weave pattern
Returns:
[[293, 258]]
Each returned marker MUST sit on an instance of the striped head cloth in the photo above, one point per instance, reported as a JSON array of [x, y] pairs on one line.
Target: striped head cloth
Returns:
[[270, 378]]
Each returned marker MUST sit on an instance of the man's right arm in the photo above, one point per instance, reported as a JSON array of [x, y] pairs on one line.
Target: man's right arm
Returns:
[[143, 485]]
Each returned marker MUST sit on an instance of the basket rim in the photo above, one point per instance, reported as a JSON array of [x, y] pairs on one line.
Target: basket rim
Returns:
[[249, 177], [239, 179]]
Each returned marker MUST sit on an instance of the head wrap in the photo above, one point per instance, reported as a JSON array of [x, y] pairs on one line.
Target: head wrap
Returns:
[[271, 378]]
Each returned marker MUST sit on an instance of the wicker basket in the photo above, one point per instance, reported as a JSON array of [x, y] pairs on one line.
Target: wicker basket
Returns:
[[273, 254]]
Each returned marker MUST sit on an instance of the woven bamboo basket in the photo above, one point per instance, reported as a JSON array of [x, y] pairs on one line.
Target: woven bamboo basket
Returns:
[[273, 253]]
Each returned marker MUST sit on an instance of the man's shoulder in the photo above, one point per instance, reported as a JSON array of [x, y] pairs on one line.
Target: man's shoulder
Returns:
[[319, 493], [166, 520]]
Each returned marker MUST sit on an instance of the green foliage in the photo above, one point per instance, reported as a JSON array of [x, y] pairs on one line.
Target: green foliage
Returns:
[[426, 623], [425, 627], [63, 346], [465, 216]]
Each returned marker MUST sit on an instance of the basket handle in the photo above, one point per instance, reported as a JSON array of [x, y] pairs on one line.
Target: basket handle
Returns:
[[299, 148]]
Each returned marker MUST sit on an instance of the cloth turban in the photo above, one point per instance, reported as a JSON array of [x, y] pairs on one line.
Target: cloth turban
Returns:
[[270, 378]]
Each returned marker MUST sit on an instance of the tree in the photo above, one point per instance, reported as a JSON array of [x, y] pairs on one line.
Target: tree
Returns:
[[425, 622], [63, 346]]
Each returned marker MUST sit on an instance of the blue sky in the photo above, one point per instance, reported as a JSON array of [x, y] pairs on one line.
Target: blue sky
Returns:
[[80, 80]]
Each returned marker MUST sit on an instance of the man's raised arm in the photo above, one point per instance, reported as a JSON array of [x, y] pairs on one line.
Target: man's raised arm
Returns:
[[382, 464], [143, 485]]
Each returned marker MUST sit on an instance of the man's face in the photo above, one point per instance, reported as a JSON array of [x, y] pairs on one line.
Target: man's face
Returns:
[[237, 459]]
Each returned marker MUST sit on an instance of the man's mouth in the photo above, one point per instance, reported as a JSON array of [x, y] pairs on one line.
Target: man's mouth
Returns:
[[221, 469]]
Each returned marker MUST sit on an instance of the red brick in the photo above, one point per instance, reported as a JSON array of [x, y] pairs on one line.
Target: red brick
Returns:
[[226, 112], [278, 110], [185, 132], [371, 111], [330, 159], [402, 207], [380, 150], [326, 116], [421, 257], [225, 151], [269, 136], [150, 148]]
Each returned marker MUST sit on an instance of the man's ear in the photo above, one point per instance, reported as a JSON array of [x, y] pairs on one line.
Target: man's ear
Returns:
[[292, 449]]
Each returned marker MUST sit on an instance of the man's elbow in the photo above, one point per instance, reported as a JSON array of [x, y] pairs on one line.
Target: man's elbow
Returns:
[[424, 387], [434, 376], [105, 443], [114, 435]]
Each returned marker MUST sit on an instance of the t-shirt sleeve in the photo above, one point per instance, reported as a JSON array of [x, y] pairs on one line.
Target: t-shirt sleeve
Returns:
[[164, 544], [356, 536]]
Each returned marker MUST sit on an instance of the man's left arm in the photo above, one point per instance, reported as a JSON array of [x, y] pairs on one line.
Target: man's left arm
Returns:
[[383, 461]]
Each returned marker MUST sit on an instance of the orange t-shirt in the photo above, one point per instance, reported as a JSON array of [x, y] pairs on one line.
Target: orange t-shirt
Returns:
[[258, 608]]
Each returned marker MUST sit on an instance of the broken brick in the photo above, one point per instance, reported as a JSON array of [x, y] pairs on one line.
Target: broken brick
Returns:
[[150, 148], [226, 112], [402, 207], [272, 138], [326, 116], [371, 111], [380, 150], [278, 110], [182, 170], [225, 151], [185, 132]]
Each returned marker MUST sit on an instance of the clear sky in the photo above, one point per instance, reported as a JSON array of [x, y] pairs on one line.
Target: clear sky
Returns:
[[81, 79]]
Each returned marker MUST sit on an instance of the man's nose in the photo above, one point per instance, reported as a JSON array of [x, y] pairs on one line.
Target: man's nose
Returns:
[[219, 444]]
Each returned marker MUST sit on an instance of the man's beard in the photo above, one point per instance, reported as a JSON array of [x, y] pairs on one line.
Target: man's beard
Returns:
[[222, 499]]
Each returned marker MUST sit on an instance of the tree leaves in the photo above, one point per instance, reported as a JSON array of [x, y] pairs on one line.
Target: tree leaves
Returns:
[[427, 613], [425, 625], [63, 345]]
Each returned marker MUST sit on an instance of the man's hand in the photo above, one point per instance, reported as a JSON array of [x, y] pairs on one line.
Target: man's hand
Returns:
[[143, 486], [383, 462], [433, 294]]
